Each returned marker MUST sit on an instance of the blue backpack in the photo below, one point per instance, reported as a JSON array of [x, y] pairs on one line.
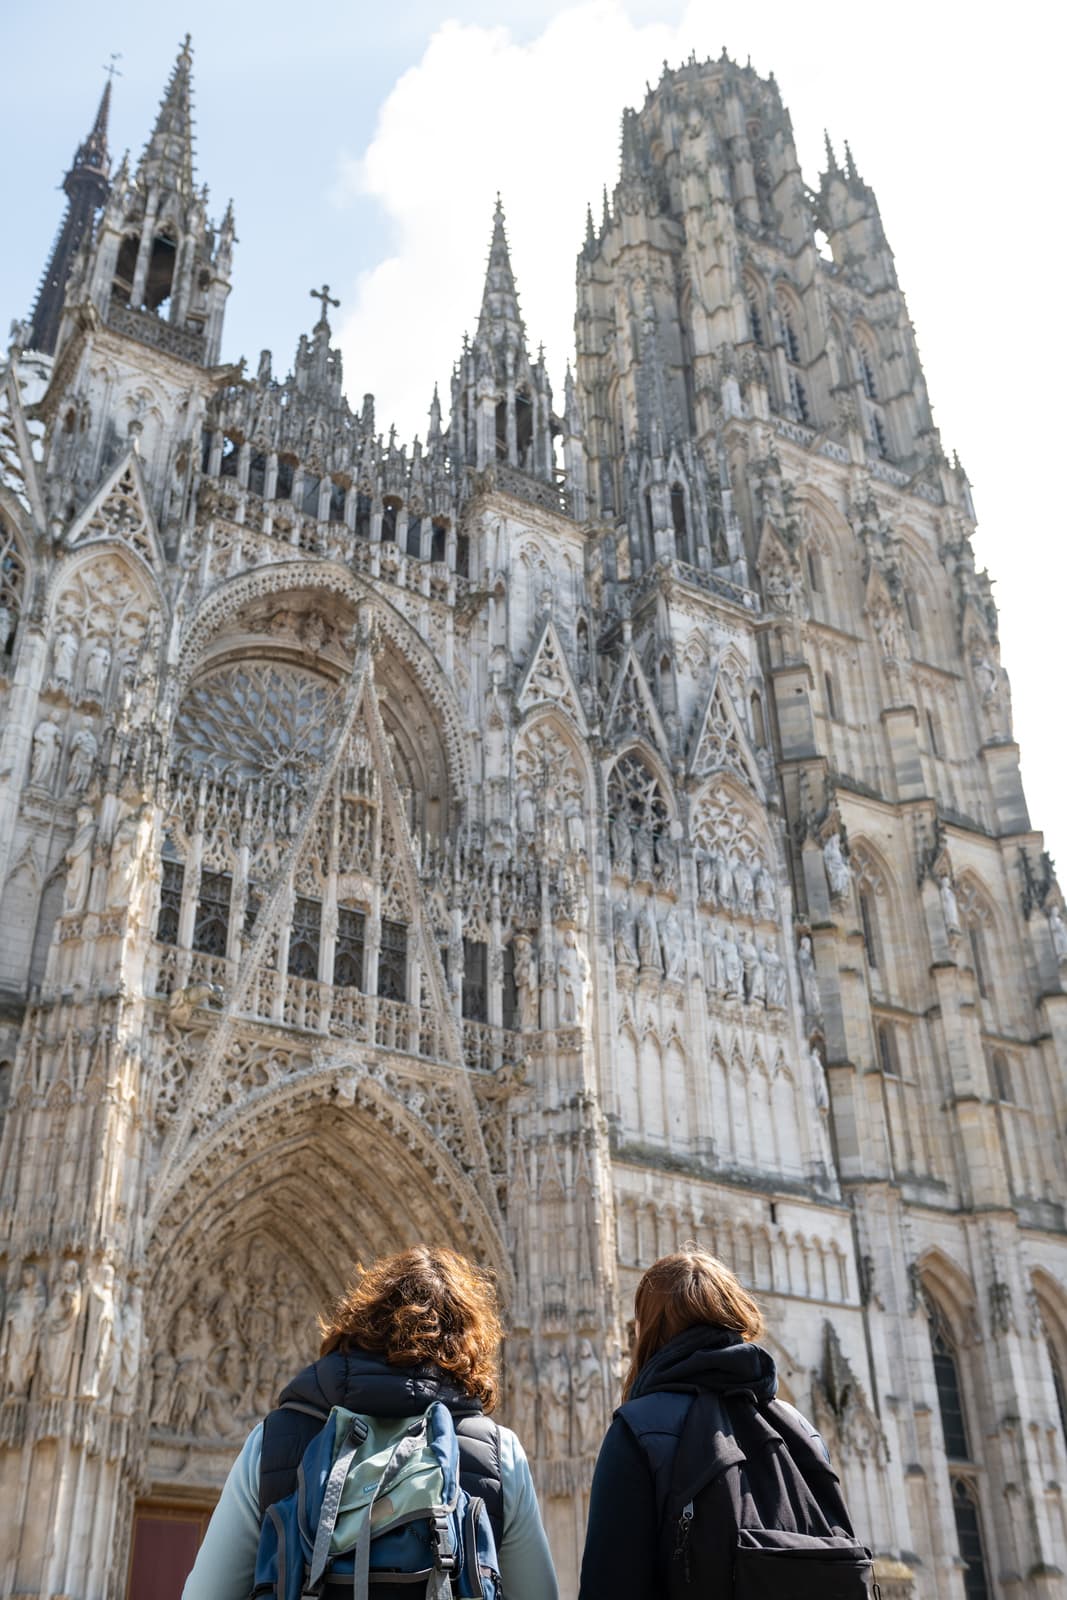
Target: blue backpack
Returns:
[[379, 1500]]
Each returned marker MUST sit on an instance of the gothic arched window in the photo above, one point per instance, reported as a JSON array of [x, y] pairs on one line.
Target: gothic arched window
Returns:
[[12, 579], [969, 1535], [869, 925], [680, 522]]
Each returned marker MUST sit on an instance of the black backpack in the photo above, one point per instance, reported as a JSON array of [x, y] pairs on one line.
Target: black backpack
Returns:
[[754, 1509]]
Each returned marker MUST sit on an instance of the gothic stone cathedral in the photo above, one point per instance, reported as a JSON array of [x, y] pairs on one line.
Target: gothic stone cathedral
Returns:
[[578, 832]]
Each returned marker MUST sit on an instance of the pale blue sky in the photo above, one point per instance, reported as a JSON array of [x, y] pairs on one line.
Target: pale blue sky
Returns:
[[363, 146]]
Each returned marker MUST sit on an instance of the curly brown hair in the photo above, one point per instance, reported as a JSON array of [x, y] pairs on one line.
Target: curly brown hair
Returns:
[[423, 1304]]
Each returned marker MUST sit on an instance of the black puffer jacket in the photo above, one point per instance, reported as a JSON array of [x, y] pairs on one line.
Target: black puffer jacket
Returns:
[[362, 1382], [623, 1557]]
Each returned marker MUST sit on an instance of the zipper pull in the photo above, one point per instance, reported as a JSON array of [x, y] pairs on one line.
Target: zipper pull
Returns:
[[681, 1548]]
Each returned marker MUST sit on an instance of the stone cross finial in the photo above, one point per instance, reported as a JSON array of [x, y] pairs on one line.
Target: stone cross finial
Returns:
[[111, 69], [323, 294]]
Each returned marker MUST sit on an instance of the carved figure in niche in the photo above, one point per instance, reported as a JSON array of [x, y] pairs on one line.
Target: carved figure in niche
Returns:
[[818, 1083], [809, 983], [100, 1355], [625, 935], [1058, 933], [45, 755], [128, 853], [644, 855], [527, 814], [666, 860], [588, 1388], [766, 904], [7, 627], [648, 945], [82, 757], [710, 960], [752, 969], [773, 977], [129, 1354], [556, 1405], [575, 828], [79, 859], [622, 849], [733, 969], [523, 1389], [526, 982], [743, 893], [96, 670], [950, 909], [673, 942], [573, 978], [705, 877], [838, 872], [22, 1333], [891, 634], [724, 882], [64, 656], [60, 1329]]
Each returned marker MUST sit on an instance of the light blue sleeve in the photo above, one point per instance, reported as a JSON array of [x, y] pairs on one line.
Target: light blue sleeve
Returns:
[[526, 1570], [225, 1565]]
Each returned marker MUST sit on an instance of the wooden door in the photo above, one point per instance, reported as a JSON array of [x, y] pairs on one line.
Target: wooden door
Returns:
[[166, 1537]]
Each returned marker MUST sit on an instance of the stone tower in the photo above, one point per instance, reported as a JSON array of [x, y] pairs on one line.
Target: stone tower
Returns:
[[86, 188], [563, 837]]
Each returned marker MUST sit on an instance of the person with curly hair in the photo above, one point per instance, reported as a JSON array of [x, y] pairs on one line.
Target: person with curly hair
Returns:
[[416, 1327]]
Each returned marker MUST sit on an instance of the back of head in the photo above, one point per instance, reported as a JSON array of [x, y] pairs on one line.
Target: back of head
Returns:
[[686, 1290], [425, 1304]]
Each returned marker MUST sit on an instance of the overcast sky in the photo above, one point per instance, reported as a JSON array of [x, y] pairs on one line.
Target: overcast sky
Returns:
[[364, 145]]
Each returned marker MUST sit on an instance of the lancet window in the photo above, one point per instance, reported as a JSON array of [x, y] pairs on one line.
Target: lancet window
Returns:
[[475, 980], [393, 961], [956, 1435], [305, 938], [170, 901], [211, 926], [348, 949]]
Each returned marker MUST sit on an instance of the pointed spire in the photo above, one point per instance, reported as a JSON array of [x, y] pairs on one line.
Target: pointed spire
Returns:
[[850, 165], [831, 158], [590, 235], [168, 155], [500, 314], [86, 187]]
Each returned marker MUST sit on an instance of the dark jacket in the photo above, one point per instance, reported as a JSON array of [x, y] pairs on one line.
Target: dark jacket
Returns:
[[633, 1471], [367, 1383]]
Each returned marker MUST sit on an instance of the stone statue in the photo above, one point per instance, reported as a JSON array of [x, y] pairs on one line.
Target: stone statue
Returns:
[[556, 1405], [622, 850], [809, 983], [950, 909], [818, 1083], [573, 977], [7, 627], [673, 942], [64, 657], [96, 670], [625, 940], [766, 903], [743, 896], [725, 881], [131, 1333], [705, 877], [588, 1388], [45, 755], [773, 977], [523, 1389], [752, 968], [666, 859], [1058, 933], [575, 828], [733, 970], [644, 855], [82, 757], [79, 859], [22, 1333], [838, 872], [526, 982], [127, 856], [527, 813], [648, 945], [100, 1356], [60, 1329]]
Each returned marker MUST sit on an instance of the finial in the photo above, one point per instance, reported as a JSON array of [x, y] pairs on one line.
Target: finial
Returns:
[[111, 69], [831, 158], [323, 294]]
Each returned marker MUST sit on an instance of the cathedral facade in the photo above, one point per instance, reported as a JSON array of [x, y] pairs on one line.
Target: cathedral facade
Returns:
[[591, 828]]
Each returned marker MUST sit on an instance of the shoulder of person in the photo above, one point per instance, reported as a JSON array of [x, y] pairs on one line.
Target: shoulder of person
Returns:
[[801, 1423], [663, 1411]]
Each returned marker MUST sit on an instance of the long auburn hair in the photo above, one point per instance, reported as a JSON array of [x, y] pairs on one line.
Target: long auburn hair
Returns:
[[423, 1304], [682, 1291]]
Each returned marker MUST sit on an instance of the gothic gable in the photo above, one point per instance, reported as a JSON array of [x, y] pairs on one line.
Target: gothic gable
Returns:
[[720, 742], [119, 511], [632, 712], [548, 678], [18, 471]]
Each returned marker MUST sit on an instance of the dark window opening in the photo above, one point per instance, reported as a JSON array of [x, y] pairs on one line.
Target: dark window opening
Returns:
[[678, 518], [305, 938], [207, 439], [363, 516], [814, 576], [759, 725], [463, 555], [283, 483], [501, 430], [475, 980], [211, 925], [649, 519], [231, 451], [887, 1051], [978, 956], [348, 949], [931, 734], [792, 343], [393, 961], [252, 904], [511, 994], [1061, 1390], [870, 388], [414, 538], [337, 502], [755, 321], [524, 428], [125, 267], [389, 512], [1002, 1077], [969, 1534], [949, 1397], [831, 696], [160, 278], [880, 438], [867, 921], [257, 472], [309, 495], [909, 611], [800, 401], [438, 540], [170, 902]]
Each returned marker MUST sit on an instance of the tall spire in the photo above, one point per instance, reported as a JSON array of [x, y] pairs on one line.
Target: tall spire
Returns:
[[168, 155], [500, 313], [86, 188]]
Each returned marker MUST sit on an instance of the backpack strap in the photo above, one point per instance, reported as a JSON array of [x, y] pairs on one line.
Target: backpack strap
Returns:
[[331, 1504], [404, 1449]]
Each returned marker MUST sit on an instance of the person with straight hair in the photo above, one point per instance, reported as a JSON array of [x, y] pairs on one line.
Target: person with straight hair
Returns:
[[705, 1481], [417, 1327]]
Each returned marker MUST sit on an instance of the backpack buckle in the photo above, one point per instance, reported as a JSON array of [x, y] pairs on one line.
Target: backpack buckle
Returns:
[[444, 1551]]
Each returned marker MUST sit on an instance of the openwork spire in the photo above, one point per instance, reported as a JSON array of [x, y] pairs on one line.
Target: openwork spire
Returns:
[[168, 155], [500, 315], [86, 187]]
